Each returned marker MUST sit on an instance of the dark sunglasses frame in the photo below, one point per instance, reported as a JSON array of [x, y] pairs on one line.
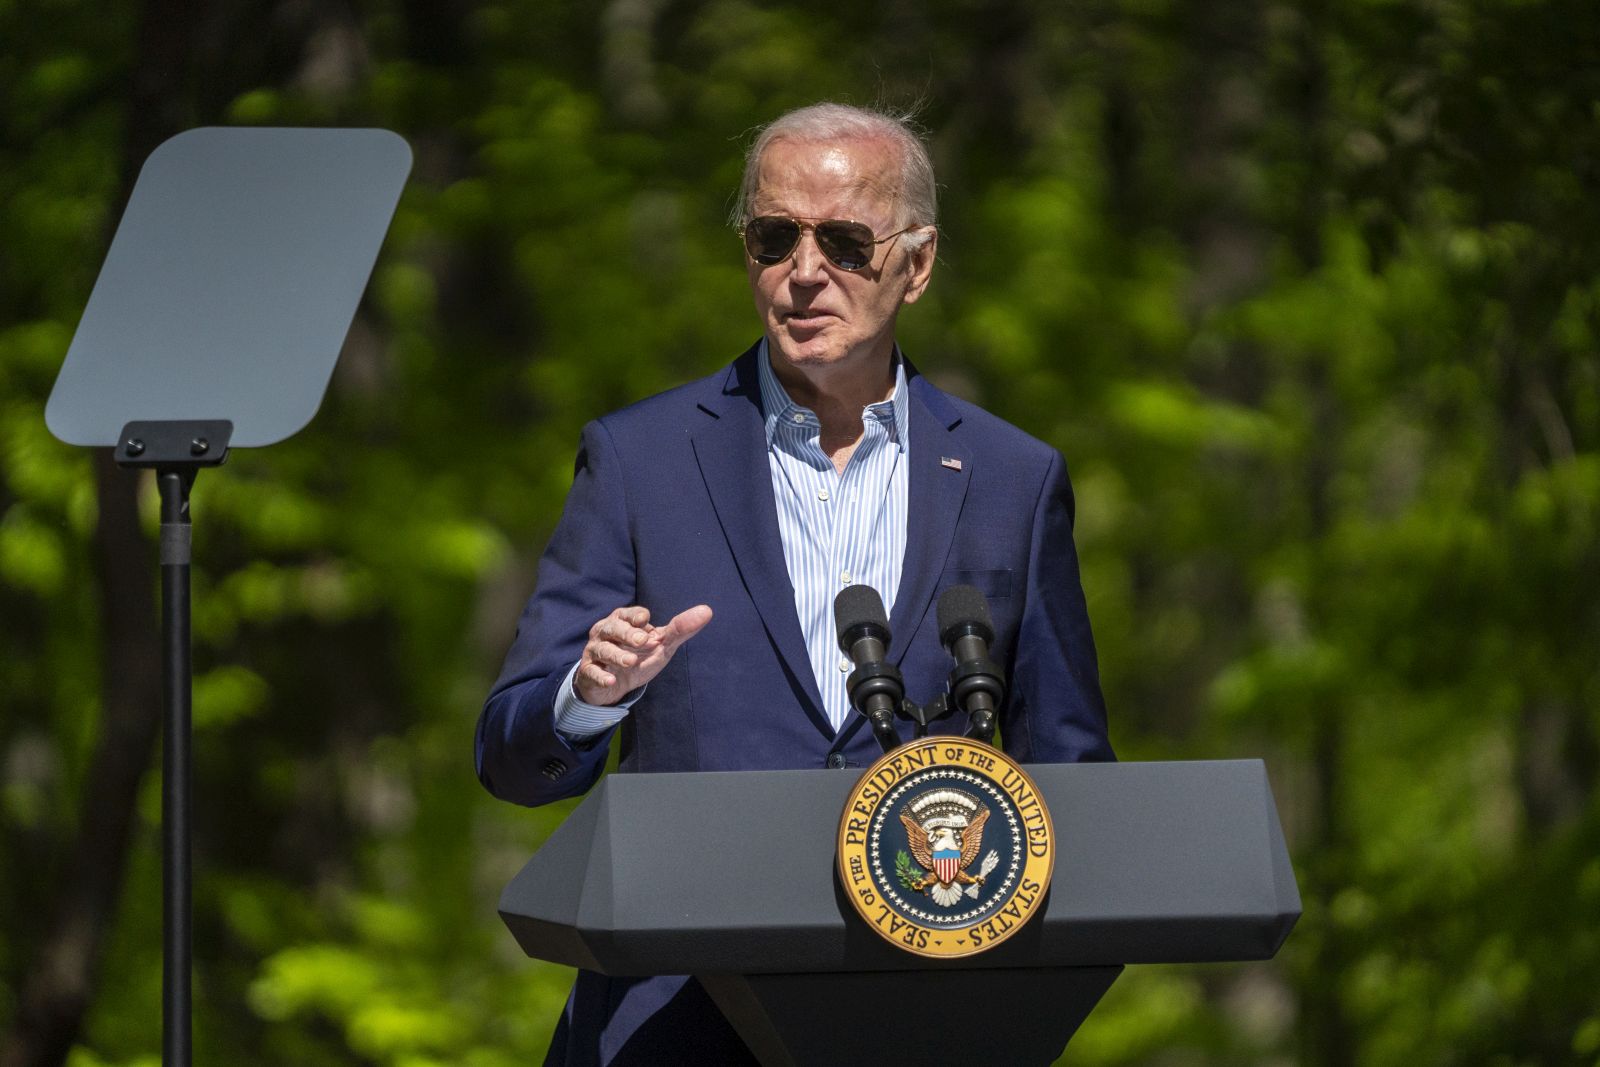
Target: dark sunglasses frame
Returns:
[[842, 241]]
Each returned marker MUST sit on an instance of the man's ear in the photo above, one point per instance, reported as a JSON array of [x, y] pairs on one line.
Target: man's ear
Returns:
[[919, 263]]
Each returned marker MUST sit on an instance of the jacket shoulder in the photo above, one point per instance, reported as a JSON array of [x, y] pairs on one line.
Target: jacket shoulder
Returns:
[[670, 411]]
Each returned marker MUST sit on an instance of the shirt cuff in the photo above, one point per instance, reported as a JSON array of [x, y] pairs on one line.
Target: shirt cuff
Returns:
[[578, 721]]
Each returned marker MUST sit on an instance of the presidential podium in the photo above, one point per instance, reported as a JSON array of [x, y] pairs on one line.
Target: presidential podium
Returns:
[[730, 877]]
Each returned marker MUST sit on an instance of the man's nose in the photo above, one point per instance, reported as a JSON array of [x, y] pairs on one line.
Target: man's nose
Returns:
[[809, 262]]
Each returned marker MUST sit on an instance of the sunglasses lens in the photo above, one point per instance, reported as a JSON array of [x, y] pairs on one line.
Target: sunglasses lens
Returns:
[[770, 239], [848, 244]]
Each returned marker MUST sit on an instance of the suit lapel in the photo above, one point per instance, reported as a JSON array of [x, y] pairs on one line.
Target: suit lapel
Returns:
[[941, 469], [731, 449]]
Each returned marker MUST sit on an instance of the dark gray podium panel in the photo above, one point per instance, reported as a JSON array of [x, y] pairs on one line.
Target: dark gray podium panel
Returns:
[[732, 873], [1018, 1017]]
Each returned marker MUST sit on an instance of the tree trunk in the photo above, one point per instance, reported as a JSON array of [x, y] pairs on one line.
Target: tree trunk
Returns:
[[58, 987], [1329, 1037]]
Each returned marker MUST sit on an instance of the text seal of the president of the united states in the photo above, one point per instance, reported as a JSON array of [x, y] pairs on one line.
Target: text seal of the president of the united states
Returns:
[[946, 847]]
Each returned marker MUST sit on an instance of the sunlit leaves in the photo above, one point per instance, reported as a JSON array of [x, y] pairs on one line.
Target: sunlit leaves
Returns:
[[1323, 367]]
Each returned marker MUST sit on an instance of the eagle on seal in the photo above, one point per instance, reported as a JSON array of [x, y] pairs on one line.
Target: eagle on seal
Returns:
[[945, 831]]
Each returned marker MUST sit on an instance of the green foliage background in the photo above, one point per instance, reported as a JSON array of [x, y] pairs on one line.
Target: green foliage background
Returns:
[[1307, 293]]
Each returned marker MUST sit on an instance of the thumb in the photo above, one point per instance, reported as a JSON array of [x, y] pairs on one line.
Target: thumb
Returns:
[[685, 625]]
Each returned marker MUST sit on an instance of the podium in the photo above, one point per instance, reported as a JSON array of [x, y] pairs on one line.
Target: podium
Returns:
[[729, 876]]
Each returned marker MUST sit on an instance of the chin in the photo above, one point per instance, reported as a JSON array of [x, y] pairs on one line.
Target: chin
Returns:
[[812, 352]]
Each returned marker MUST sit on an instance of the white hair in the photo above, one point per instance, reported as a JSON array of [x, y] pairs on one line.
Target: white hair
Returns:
[[917, 200]]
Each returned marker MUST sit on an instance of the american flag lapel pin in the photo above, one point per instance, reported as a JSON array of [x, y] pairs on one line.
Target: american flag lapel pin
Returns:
[[950, 461]]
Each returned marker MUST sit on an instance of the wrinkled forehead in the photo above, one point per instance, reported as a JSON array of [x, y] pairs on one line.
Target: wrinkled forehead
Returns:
[[854, 178]]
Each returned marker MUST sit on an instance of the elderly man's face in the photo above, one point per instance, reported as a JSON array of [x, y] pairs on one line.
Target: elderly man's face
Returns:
[[816, 314]]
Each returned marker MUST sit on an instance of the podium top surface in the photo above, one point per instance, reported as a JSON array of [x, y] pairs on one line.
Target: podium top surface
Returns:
[[734, 872], [231, 282]]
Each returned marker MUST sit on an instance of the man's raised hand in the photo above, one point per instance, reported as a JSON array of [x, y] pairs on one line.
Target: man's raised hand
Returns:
[[625, 651]]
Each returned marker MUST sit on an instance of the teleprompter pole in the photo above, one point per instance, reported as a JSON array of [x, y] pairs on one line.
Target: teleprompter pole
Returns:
[[176, 450], [177, 795]]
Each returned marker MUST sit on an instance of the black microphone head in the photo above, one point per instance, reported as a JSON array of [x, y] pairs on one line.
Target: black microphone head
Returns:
[[858, 609], [963, 610]]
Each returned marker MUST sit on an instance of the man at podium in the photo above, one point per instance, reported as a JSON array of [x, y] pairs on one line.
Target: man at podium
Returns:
[[684, 603]]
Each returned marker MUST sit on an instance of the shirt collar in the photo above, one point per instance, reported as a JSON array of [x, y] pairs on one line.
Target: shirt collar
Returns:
[[779, 409]]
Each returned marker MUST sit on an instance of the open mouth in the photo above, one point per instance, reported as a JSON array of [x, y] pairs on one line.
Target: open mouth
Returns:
[[806, 318]]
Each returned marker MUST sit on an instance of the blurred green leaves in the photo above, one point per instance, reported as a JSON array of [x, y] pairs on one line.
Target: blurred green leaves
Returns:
[[1309, 298]]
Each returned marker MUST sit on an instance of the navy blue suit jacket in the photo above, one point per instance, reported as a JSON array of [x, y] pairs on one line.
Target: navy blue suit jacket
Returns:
[[671, 506]]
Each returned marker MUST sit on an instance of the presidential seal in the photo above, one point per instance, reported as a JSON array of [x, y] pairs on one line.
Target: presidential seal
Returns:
[[945, 847]]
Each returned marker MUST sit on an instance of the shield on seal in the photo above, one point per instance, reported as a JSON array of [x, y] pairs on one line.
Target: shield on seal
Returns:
[[946, 862]]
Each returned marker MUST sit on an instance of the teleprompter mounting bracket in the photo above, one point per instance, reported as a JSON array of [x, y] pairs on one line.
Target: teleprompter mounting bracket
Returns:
[[176, 444]]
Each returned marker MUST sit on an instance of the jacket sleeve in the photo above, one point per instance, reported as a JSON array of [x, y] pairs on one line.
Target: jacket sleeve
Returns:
[[1055, 712], [586, 572]]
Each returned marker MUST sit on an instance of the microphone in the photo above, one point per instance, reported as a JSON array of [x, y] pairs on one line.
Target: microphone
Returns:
[[977, 685], [875, 686]]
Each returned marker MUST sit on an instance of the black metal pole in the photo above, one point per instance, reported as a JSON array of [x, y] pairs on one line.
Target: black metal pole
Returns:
[[176, 795]]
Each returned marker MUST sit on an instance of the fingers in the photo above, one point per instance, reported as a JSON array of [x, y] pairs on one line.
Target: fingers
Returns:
[[624, 651], [625, 627], [610, 657], [595, 675], [612, 654], [684, 625]]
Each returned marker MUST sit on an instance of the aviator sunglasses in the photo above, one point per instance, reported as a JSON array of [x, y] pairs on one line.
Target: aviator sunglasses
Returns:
[[848, 245]]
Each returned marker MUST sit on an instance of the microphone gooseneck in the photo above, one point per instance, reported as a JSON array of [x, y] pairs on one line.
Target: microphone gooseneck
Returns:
[[977, 685], [875, 686]]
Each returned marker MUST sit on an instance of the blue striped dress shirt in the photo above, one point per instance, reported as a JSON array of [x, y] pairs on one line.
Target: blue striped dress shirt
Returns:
[[837, 530]]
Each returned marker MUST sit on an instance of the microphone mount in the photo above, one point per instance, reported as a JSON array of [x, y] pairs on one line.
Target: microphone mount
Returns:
[[977, 684], [877, 689]]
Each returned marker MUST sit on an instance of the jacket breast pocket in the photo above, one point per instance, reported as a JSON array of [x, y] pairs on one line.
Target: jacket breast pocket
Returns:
[[995, 584]]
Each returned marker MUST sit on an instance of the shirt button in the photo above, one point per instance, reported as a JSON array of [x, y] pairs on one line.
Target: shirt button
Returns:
[[844, 665], [822, 494], [844, 576], [797, 418]]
